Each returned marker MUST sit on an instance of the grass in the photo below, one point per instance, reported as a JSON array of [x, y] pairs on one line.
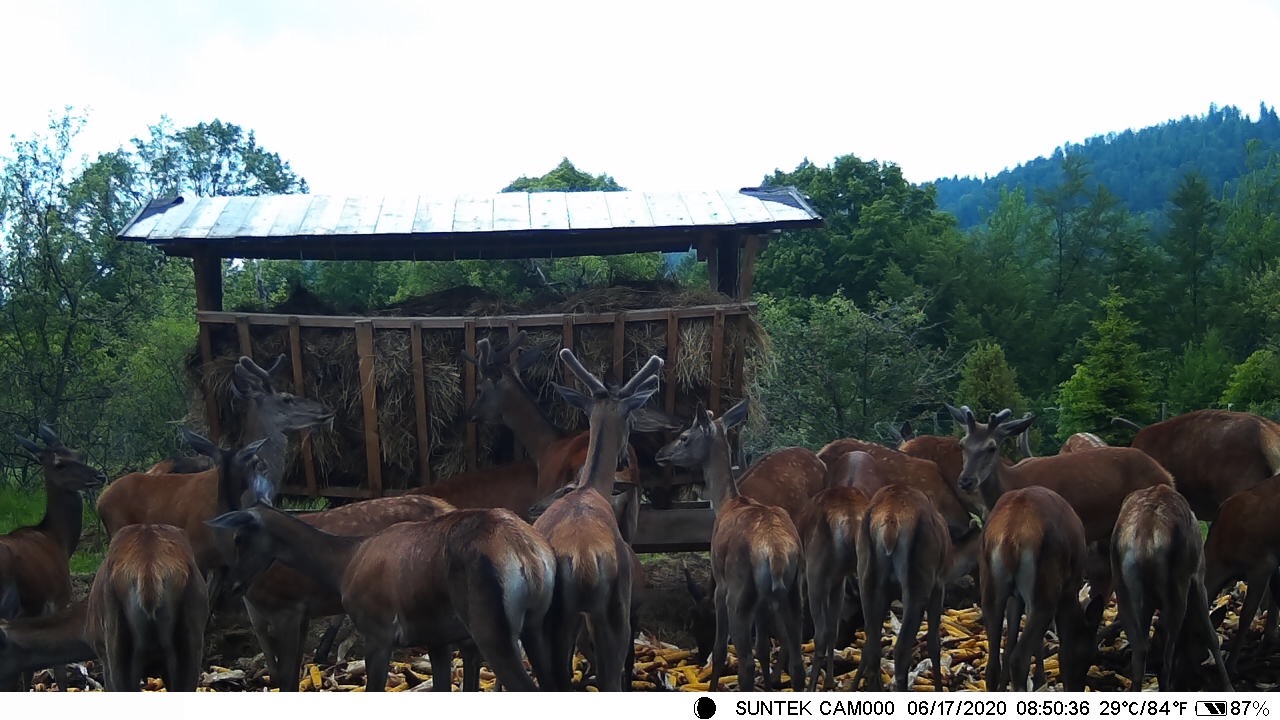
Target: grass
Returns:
[[21, 507]]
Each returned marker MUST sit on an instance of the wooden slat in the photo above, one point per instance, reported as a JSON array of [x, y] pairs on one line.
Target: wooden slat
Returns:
[[369, 401], [711, 251], [667, 209], [548, 211], [420, 404], [233, 217], [435, 215], [706, 208], [744, 208], [746, 279], [672, 358], [165, 223], [619, 348], [201, 221], [518, 451], [473, 213], [511, 211], [300, 389], [245, 336], [566, 341], [469, 390], [293, 208], [628, 209], [359, 216], [322, 216], [587, 210], [396, 215], [678, 529], [494, 321], [210, 400], [717, 362], [262, 217], [208, 277], [785, 213]]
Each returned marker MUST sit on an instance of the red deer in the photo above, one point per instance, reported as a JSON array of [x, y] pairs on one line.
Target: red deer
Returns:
[[281, 600], [828, 530], [149, 605], [1244, 542], [1214, 454], [1033, 558], [1082, 442], [1158, 563], [186, 500], [512, 487], [902, 539], [593, 561], [35, 578], [756, 557], [481, 576], [1094, 483], [30, 644], [180, 465]]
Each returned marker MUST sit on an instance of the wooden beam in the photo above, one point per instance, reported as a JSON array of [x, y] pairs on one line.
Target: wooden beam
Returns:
[[686, 527], [469, 390], [747, 278], [369, 397], [717, 362], [300, 389], [208, 272], [206, 365], [672, 358], [420, 405], [245, 336], [725, 278], [711, 251], [619, 347]]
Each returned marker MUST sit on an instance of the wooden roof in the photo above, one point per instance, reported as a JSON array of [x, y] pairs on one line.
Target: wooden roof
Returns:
[[501, 225]]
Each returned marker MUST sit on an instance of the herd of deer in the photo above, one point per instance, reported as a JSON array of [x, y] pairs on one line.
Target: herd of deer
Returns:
[[515, 563]]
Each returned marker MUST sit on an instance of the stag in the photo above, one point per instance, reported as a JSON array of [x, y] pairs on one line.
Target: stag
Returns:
[[35, 578], [1093, 483], [1158, 563], [1033, 558], [756, 556], [149, 605]]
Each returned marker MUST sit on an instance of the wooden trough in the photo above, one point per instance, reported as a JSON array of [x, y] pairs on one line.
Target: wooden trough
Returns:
[[727, 229]]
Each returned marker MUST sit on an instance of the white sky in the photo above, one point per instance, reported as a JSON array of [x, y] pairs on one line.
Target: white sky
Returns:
[[465, 96]]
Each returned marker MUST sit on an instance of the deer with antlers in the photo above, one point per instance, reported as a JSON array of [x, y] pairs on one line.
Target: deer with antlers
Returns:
[[593, 562], [756, 556]]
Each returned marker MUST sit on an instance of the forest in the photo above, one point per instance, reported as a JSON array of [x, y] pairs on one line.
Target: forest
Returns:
[[1135, 276]]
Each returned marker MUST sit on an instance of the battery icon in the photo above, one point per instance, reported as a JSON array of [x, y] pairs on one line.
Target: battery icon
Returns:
[[1211, 708]]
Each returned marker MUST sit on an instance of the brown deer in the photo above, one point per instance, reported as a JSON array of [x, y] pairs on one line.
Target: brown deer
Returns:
[[1082, 442], [468, 575], [35, 578], [186, 500], [593, 561], [30, 644], [1244, 542], [756, 556], [1158, 563], [902, 540], [513, 487], [1033, 558], [281, 600], [149, 605], [828, 530], [1094, 483]]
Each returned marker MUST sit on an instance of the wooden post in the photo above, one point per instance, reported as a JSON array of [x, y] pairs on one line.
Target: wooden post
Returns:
[[717, 361], [469, 390], [210, 401], [709, 250], [246, 338], [518, 451], [369, 396], [673, 357], [420, 404], [619, 346], [208, 272], [725, 278], [747, 279], [566, 341], [300, 389]]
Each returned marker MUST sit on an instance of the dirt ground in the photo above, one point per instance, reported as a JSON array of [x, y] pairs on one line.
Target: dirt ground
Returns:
[[664, 660]]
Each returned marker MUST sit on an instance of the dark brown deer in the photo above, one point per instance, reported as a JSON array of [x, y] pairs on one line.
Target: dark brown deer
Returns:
[[149, 605], [35, 578], [828, 530], [902, 540], [282, 600], [593, 561], [30, 644], [1093, 483], [1214, 454], [756, 557], [1033, 558], [513, 487], [1158, 563]]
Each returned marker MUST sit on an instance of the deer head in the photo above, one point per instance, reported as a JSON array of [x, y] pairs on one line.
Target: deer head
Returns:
[[242, 479], [271, 411], [981, 444], [694, 446], [64, 468]]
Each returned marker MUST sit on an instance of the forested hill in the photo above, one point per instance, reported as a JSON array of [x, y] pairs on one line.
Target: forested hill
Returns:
[[1141, 168]]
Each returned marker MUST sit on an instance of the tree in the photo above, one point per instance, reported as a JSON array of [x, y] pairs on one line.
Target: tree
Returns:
[[987, 383], [214, 158], [1192, 244], [1109, 381], [564, 178], [1255, 384], [1198, 378]]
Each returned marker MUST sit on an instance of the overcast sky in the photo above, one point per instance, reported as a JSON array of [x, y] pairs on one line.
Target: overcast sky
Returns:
[[465, 96]]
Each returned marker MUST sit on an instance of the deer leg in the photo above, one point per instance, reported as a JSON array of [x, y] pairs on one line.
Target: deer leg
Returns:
[[610, 657], [1038, 619], [933, 637], [471, 662], [1172, 616], [720, 649], [740, 626], [820, 604], [905, 644], [441, 656], [763, 629], [377, 661], [1257, 588], [1100, 586], [534, 639], [993, 611], [1270, 635], [874, 604], [789, 627], [166, 630], [1129, 610], [1198, 617], [139, 645]]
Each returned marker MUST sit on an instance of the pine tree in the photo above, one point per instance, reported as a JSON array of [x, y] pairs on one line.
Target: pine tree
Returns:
[[987, 383], [1109, 381]]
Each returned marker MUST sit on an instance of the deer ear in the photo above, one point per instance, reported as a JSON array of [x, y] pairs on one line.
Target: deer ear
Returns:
[[907, 431], [652, 419], [957, 414], [736, 415], [29, 446], [701, 418], [575, 398], [234, 520], [640, 395], [201, 444], [1014, 427], [252, 448]]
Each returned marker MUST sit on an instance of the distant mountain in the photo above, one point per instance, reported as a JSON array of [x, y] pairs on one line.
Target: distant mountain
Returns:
[[1141, 167]]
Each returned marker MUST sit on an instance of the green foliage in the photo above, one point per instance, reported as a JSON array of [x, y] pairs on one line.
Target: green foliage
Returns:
[[987, 383], [1110, 380], [1199, 376], [214, 158], [1192, 244], [1255, 384], [564, 178], [22, 505]]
